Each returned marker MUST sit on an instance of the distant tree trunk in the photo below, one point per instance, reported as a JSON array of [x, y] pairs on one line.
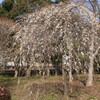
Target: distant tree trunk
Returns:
[[28, 72], [70, 75], [16, 73], [65, 84], [44, 74], [56, 72], [84, 72], [48, 72], [40, 72]]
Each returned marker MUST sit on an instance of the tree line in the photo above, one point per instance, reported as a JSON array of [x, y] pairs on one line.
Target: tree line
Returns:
[[14, 8]]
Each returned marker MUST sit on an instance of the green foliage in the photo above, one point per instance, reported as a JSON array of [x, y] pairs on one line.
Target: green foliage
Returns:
[[56, 59], [7, 5], [14, 8], [92, 98], [6, 79], [2, 10], [51, 96]]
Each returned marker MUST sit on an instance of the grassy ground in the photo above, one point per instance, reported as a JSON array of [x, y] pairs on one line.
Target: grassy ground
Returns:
[[51, 88]]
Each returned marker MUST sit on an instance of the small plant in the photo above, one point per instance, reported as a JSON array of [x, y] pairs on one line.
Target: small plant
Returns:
[[92, 98]]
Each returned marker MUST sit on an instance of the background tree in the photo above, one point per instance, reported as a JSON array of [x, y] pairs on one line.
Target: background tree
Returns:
[[6, 39], [14, 8], [52, 31]]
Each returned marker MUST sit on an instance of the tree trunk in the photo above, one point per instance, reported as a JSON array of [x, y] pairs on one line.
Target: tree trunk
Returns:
[[16, 73], [91, 69], [70, 75], [70, 67], [65, 84], [90, 73], [85, 71], [48, 72], [40, 72], [44, 74], [56, 73], [28, 72]]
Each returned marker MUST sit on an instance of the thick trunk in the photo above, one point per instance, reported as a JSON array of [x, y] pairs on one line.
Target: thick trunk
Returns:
[[65, 84], [91, 69], [16, 73], [90, 74]]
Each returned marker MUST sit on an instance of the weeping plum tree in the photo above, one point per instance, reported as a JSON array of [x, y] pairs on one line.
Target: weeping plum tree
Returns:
[[55, 30]]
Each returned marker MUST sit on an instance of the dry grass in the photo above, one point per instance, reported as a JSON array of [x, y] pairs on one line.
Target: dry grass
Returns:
[[51, 88]]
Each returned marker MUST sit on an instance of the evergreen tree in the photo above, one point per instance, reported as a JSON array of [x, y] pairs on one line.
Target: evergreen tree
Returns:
[[14, 8]]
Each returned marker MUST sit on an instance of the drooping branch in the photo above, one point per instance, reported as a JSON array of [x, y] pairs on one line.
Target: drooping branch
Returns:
[[97, 50]]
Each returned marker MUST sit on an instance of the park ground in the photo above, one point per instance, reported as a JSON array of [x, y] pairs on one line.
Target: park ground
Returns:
[[51, 88]]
